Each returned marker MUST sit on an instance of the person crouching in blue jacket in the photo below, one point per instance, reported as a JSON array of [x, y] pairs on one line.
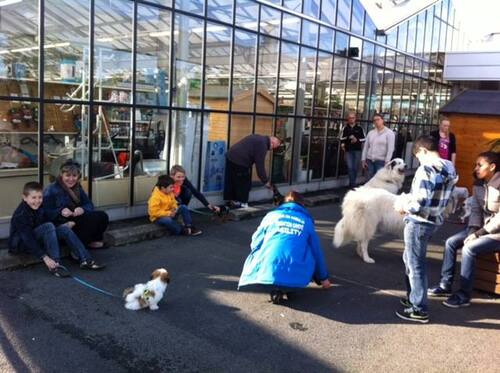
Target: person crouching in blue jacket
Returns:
[[285, 251]]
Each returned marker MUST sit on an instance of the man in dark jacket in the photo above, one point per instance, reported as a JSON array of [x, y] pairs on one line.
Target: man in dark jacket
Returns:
[[351, 140], [239, 161]]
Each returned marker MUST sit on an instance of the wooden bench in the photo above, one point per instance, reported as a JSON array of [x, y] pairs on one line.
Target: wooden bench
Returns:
[[488, 273]]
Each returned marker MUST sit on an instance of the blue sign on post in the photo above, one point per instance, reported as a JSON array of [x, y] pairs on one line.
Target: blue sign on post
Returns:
[[215, 162]]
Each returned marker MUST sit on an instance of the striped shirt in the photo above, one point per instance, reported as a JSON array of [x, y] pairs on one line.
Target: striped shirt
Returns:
[[430, 191]]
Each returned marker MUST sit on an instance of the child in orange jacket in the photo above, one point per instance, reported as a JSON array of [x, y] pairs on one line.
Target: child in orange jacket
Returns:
[[164, 210]]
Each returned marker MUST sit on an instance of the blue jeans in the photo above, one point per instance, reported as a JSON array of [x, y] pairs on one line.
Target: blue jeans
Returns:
[[373, 167], [46, 235], [480, 245], [171, 223], [416, 238], [352, 159], [75, 245]]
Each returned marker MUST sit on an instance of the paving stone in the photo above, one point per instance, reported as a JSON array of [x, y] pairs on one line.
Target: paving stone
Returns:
[[136, 233], [321, 199]]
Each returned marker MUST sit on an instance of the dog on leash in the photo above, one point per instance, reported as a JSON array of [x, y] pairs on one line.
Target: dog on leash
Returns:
[[148, 294], [391, 177], [278, 198]]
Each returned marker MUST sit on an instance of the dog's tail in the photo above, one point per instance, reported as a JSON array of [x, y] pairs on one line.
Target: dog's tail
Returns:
[[339, 235]]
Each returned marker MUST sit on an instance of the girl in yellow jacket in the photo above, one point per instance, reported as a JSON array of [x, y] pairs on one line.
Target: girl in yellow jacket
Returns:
[[163, 209]]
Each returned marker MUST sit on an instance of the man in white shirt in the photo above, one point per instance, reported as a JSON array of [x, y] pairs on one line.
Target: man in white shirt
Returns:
[[379, 146]]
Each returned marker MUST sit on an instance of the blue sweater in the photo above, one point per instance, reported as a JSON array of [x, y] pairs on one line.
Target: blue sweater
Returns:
[[285, 250], [55, 199]]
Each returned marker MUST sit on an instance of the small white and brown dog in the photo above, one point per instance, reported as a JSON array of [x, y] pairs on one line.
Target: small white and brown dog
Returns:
[[148, 294]]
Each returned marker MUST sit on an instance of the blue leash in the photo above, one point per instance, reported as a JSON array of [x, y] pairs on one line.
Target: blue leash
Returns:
[[90, 286]]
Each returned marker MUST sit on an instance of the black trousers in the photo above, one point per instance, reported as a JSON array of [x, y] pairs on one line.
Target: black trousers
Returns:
[[91, 226], [237, 182]]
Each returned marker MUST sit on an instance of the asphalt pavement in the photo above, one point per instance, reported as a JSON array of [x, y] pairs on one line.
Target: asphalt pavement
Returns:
[[205, 325]]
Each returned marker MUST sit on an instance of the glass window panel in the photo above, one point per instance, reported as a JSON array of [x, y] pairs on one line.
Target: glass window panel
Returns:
[[151, 150], [113, 51], [309, 33], [244, 71], [268, 75], [376, 91], [214, 151], [301, 172], [288, 78], [306, 80], [338, 87], [364, 91], [188, 37], [220, 9], [405, 100], [295, 5], [370, 28], [379, 55], [290, 27], [323, 77], [326, 38], [153, 56], [396, 97], [332, 150], [66, 52], [355, 48], [318, 134], [421, 102], [435, 39], [217, 66], [392, 38], [368, 52], [412, 33], [282, 161], [390, 59], [400, 62], [241, 126], [387, 94], [344, 14], [341, 43], [413, 100], [19, 49], [246, 14], [351, 98], [420, 30], [409, 65], [428, 33], [270, 21], [192, 6], [185, 142], [162, 2], [358, 13], [328, 11], [263, 126], [111, 152], [402, 36], [311, 8]]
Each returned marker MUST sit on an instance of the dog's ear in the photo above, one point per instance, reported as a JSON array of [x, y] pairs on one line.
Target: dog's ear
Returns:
[[390, 165], [165, 277]]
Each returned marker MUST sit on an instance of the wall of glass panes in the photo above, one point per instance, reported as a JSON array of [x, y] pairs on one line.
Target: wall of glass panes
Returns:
[[129, 88]]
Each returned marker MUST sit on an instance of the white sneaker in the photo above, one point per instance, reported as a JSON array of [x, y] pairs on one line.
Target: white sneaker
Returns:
[[244, 205]]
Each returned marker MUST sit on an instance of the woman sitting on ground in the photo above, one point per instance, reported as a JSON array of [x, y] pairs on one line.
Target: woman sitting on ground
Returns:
[[285, 251], [66, 201], [184, 190]]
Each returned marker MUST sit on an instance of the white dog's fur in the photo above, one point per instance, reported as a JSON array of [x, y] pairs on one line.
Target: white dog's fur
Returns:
[[457, 198], [366, 212], [148, 294], [390, 177], [466, 209]]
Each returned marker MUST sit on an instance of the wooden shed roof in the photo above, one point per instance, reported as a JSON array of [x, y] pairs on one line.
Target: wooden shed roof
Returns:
[[474, 101]]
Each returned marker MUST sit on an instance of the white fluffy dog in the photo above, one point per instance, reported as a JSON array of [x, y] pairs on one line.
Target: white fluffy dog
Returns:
[[366, 212], [457, 198], [390, 178], [148, 294]]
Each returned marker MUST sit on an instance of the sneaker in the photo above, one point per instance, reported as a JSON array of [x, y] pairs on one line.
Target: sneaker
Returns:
[[405, 302], [438, 291], [276, 296], [244, 205], [455, 301], [92, 265], [410, 314], [186, 231], [60, 272], [194, 231]]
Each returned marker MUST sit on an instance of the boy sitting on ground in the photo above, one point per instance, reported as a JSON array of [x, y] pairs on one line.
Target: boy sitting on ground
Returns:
[[163, 209], [33, 233]]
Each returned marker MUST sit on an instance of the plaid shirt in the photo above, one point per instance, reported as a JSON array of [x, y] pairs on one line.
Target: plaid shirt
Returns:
[[430, 191]]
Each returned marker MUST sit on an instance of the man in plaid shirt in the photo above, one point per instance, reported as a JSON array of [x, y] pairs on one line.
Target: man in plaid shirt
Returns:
[[431, 189]]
